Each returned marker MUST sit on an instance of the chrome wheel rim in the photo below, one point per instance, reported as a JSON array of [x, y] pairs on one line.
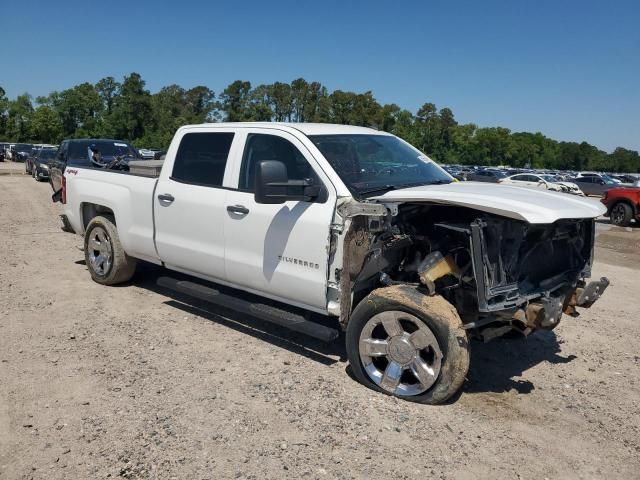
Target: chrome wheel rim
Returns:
[[100, 251], [617, 214], [400, 353]]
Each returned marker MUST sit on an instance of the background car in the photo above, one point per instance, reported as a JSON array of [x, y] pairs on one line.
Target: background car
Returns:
[[29, 161], [594, 185], [530, 180], [22, 151], [492, 176], [628, 179], [146, 153], [623, 205], [40, 163]]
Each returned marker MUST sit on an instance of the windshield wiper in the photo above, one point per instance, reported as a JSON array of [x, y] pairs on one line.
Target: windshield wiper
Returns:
[[387, 188], [438, 182]]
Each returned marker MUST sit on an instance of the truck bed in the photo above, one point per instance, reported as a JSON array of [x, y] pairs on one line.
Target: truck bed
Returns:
[[118, 191]]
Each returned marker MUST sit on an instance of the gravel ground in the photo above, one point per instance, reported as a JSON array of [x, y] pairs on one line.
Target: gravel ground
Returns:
[[100, 382]]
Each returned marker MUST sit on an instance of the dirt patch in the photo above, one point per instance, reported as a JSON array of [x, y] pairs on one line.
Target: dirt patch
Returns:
[[619, 246], [128, 382]]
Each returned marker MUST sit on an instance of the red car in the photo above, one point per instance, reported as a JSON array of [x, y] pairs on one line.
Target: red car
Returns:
[[623, 205]]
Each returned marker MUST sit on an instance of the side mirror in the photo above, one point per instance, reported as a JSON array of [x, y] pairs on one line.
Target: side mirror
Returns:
[[601, 182], [272, 184]]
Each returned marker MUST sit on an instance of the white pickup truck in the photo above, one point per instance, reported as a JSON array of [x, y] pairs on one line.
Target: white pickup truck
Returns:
[[349, 223]]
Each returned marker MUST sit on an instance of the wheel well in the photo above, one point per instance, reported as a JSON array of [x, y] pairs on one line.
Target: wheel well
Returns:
[[92, 210], [626, 202]]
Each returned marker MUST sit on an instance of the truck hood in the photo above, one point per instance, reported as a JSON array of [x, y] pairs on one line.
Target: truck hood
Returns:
[[530, 205]]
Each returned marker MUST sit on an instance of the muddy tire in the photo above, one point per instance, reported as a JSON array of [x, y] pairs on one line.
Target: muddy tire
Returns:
[[404, 343], [621, 214], [106, 260]]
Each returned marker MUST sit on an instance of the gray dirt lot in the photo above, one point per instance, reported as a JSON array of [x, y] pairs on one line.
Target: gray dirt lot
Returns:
[[100, 382]]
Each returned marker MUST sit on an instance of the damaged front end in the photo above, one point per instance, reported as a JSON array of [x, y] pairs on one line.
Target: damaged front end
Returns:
[[501, 274]]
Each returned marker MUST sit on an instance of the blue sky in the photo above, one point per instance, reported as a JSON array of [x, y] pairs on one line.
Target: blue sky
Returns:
[[567, 68]]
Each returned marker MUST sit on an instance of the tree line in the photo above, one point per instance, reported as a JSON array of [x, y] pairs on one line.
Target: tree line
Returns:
[[128, 110]]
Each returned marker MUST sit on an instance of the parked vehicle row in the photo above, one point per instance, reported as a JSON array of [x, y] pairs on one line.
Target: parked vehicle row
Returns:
[[339, 225], [576, 183]]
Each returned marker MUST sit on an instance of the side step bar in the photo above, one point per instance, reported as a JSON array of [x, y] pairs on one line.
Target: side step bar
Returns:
[[269, 313]]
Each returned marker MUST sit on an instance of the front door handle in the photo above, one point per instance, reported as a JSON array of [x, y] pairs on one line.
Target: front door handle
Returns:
[[166, 197], [241, 209]]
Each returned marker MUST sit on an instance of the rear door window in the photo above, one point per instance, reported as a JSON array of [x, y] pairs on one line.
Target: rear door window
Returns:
[[202, 158]]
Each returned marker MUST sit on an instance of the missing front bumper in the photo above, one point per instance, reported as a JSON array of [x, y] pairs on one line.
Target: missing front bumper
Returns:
[[585, 295], [547, 312]]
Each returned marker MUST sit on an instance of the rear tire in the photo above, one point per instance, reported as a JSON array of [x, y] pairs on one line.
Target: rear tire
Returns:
[[106, 260], [429, 366], [621, 214]]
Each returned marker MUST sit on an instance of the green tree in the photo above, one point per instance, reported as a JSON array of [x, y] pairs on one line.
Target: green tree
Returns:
[[281, 102], [199, 104], [235, 101], [4, 114], [46, 125], [108, 89], [19, 118], [131, 113], [79, 109]]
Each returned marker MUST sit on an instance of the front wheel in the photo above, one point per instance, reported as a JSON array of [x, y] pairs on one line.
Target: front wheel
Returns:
[[621, 214], [404, 343], [107, 261]]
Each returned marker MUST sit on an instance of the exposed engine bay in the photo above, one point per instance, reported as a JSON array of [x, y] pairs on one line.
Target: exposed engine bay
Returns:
[[501, 274]]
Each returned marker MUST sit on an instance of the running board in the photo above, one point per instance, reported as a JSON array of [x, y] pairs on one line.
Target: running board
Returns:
[[269, 313]]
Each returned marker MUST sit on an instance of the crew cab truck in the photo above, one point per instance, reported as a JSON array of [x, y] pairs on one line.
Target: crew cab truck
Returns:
[[346, 222]]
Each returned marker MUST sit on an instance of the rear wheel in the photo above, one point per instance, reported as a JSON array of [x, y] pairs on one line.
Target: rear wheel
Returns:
[[404, 343], [107, 261], [621, 214]]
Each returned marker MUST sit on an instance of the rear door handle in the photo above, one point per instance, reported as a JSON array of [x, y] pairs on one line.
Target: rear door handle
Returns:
[[166, 197], [241, 209]]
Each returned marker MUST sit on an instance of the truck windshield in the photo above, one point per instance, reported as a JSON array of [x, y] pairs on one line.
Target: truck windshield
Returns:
[[374, 164]]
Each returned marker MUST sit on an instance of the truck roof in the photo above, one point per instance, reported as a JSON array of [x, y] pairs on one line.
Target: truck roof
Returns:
[[306, 128]]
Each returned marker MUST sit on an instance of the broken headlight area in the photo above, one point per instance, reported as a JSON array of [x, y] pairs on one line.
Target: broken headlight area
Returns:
[[501, 274]]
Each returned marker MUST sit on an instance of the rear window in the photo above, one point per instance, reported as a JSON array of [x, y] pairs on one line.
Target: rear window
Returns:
[[47, 154], [107, 149], [202, 158]]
